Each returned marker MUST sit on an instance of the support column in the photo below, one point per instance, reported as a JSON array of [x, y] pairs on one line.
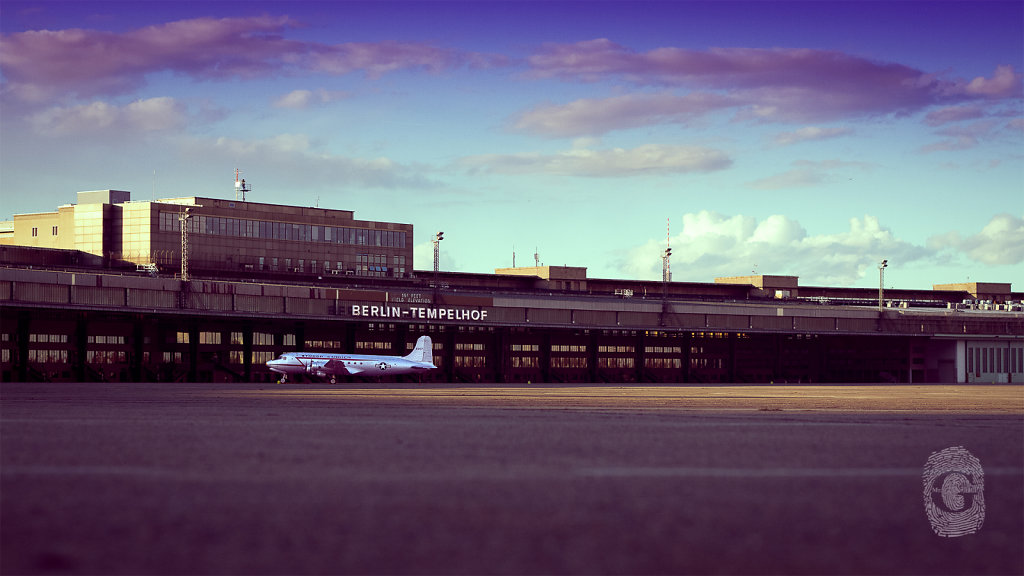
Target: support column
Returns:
[[592, 355], [193, 352], [639, 356], [138, 346], [500, 354], [247, 350], [448, 337], [687, 351], [81, 347], [21, 340]]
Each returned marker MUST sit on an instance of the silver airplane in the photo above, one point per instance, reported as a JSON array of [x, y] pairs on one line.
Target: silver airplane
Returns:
[[326, 365]]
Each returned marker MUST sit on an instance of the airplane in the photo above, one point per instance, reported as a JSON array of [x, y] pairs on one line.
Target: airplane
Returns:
[[327, 365]]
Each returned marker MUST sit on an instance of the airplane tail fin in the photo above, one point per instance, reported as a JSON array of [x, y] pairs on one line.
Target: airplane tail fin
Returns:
[[423, 352]]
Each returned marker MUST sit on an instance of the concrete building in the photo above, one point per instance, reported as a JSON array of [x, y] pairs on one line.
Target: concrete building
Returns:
[[225, 237], [265, 279]]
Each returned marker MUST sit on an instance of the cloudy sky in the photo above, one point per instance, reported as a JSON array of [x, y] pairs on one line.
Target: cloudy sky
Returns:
[[802, 138]]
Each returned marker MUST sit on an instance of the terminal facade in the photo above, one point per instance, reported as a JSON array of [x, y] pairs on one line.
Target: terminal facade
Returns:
[[225, 237], [81, 311]]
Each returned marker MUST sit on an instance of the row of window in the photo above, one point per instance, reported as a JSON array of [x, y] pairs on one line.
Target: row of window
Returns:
[[48, 356], [470, 346], [663, 349], [257, 357], [210, 337], [994, 360], [268, 230], [35, 231], [100, 339], [568, 348], [49, 338], [569, 362], [580, 362], [469, 362], [106, 357], [617, 349], [323, 344]]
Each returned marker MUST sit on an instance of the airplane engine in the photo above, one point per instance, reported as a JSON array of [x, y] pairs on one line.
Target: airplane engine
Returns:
[[316, 368]]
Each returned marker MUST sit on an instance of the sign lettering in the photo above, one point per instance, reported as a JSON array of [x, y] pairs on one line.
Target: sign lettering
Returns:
[[419, 313]]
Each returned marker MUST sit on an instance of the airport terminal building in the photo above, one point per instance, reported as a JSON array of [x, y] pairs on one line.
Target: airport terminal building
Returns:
[[94, 291], [225, 237]]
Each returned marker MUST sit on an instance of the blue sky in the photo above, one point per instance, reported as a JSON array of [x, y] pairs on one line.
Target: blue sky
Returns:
[[802, 138]]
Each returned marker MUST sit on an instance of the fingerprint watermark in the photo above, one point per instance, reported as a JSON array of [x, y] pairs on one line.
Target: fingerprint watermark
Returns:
[[954, 492]]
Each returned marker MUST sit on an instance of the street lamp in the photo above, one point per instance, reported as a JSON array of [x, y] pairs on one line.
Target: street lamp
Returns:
[[881, 283]]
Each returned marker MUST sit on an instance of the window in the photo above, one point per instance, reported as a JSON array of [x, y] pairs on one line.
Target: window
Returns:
[[35, 231], [54, 230]]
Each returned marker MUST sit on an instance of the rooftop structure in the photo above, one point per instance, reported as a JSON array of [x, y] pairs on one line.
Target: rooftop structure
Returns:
[[224, 236]]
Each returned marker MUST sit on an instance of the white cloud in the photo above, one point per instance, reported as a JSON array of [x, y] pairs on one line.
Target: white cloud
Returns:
[[809, 133], [301, 99], [1000, 242], [613, 162], [713, 245], [297, 154], [595, 117], [808, 173], [141, 116]]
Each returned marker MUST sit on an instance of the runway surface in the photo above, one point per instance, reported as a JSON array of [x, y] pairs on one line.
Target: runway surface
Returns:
[[399, 479]]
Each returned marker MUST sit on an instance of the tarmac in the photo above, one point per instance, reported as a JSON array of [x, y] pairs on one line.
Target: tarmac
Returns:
[[104, 478]]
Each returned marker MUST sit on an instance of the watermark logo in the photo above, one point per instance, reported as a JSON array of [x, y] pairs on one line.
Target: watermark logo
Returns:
[[954, 492]]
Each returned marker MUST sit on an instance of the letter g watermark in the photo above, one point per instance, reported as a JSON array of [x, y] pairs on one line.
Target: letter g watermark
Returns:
[[954, 492]]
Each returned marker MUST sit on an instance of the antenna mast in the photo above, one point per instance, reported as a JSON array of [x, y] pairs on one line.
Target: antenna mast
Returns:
[[666, 269], [240, 186]]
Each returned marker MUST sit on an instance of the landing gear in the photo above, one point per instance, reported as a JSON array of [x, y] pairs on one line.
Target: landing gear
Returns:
[[284, 379], [334, 380]]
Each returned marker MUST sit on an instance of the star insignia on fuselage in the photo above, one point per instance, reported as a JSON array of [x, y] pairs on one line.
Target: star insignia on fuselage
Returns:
[[382, 366]]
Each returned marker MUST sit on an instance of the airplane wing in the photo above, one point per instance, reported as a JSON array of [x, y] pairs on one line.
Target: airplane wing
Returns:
[[339, 367]]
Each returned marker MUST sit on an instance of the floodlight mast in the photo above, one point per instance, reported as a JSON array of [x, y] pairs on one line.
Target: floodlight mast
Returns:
[[881, 283], [437, 251], [183, 216]]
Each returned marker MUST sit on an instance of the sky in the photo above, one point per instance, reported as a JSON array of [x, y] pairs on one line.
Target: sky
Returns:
[[811, 139]]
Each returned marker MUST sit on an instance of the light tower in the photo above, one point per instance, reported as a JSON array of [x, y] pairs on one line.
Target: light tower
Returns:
[[881, 283], [666, 273], [183, 218], [437, 251], [666, 267]]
